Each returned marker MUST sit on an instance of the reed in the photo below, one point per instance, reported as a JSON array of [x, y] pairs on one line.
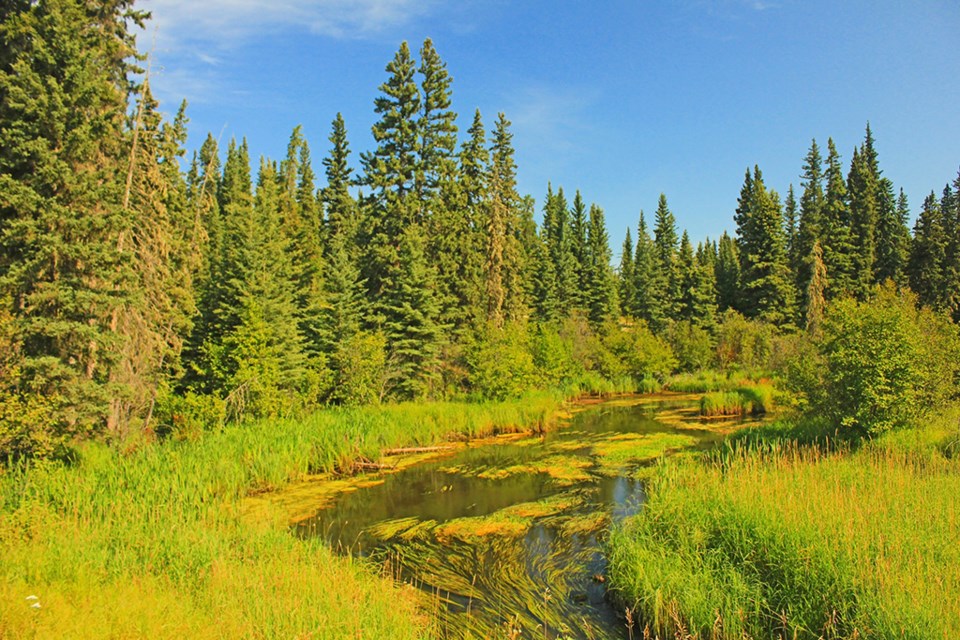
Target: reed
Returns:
[[788, 540], [149, 543]]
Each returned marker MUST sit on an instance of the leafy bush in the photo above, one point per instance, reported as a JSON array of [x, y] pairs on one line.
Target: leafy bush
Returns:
[[693, 346], [642, 354], [360, 369], [743, 343], [885, 363], [501, 363]]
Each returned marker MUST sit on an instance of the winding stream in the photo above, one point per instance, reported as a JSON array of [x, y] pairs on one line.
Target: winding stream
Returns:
[[503, 536]]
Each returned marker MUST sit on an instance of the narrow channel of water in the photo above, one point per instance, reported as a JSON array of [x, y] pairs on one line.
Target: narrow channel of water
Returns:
[[505, 539]]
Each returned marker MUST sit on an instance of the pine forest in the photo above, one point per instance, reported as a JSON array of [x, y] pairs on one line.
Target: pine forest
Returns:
[[162, 307]]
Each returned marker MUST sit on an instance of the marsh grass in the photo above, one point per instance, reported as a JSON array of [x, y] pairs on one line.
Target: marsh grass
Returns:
[[782, 539], [749, 399], [150, 543]]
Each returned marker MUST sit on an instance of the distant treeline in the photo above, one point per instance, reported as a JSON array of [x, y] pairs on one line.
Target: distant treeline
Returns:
[[136, 297]]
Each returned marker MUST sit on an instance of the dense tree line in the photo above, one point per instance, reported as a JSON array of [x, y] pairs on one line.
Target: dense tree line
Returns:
[[144, 291]]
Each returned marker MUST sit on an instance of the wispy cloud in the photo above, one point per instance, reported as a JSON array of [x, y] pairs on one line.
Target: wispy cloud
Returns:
[[549, 118], [224, 23]]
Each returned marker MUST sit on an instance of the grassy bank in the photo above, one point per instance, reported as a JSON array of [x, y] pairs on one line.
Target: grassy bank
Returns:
[[150, 544], [774, 539]]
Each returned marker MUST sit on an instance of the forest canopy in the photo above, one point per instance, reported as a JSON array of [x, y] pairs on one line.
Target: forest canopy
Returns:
[[148, 290]]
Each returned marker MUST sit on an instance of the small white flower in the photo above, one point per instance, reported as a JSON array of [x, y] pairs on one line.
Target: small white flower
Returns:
[[32, 598], [35, 605]]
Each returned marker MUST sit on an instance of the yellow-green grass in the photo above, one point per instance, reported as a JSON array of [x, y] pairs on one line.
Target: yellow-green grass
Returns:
[[798, 542], [151, 543], [746, 399]]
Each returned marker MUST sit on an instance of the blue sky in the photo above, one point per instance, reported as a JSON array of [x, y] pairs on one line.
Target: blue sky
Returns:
[[622, 99]]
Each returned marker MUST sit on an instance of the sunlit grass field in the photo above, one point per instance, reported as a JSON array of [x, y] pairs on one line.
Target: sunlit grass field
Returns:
[[773, 539], [150, 542]]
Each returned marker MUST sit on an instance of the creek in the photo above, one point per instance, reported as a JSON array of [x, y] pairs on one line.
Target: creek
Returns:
[[504, 536]]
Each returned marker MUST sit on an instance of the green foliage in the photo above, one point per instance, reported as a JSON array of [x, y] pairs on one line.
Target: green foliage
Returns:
[[775, 539], [887, 363], [555, 354], [501, 363], [360, 369], [186, 416], [766, 281], [64, 232], [693, 346], [642, 354], [744, 344]]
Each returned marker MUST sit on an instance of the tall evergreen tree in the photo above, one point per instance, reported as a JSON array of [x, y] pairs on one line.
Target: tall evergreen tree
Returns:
[[665, 281], [644, 266], [928, 254], [810, 229], [557, 235], [340, 209], [727, 272], [863, 189], [765, 275], [626, 276], [893, 236], [698, 297], [601, 289], [437, 129], [301, 224], [473, 207], [263, 354], [506, 270], [64, 236], [396, 267], [578, 245], [838, 247], [203, 183]]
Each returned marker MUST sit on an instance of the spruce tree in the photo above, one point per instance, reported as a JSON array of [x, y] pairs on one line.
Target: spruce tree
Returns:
[[578, 245], [64, 236], [893, 236], [437, 129], [203, 182], [727, 271], [301, 224], [264, 352], [626, 276], [506, 279], [471, 242], [557, 235], [766, 282], [601, 282], [838, 247], [810, 229], [643, 273], [698, 296], [928, 255], [863, 189], [665, 281], [340, 209]]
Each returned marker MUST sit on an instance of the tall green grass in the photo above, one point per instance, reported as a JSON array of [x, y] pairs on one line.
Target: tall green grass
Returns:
[[747, 399], [150, 543], [792, 541]]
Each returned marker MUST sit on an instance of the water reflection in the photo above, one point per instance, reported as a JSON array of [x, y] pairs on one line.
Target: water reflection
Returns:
[[505, 537]]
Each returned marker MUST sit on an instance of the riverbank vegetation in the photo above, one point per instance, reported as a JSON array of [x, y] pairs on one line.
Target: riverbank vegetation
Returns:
[[151, 543], [837, 522], [178, 329]]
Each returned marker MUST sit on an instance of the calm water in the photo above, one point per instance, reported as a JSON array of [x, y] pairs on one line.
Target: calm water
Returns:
[[508, 536]]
